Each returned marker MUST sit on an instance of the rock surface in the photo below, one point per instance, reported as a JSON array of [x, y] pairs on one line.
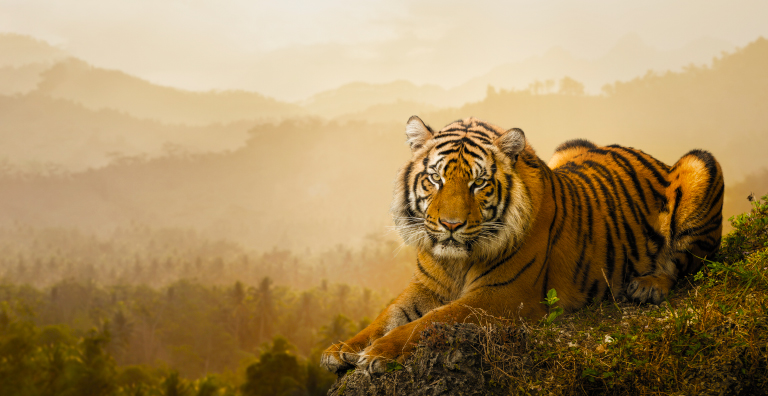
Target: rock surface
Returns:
[[449, 361]]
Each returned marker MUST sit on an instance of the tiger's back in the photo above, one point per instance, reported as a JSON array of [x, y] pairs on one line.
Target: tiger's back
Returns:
[[630, 220]]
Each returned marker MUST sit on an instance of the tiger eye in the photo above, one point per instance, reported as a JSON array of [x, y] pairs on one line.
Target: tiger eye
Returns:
[[479, 182], [435, 178]]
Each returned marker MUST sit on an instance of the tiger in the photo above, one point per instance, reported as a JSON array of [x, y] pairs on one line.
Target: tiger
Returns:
[[495, 228]]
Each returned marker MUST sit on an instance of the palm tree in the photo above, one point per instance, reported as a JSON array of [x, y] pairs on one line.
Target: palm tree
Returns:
[[265, 307], [238, 312]]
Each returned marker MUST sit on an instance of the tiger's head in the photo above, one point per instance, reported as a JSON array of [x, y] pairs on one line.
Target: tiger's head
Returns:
[[460, 196]]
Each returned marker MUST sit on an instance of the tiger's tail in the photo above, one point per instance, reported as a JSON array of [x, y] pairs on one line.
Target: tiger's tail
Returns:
[[691, 222], [695, 198]]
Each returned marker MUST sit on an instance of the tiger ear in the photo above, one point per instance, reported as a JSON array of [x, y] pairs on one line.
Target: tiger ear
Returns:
[[511, 143], [417, 133]]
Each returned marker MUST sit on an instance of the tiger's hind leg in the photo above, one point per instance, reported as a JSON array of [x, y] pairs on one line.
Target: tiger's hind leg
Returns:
[[692, 225]]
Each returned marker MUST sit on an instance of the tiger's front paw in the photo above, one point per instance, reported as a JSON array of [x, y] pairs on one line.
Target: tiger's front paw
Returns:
[[394, 347], [339, 357], [649, 288]]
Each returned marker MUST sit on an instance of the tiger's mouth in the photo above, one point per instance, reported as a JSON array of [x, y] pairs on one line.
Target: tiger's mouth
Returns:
[[451, 248], [450, 242]]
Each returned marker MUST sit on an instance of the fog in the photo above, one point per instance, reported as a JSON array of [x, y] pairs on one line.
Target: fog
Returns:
[[291, 50], [192, 181]]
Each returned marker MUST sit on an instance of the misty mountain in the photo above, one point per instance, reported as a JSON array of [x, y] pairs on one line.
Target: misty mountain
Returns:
[[40, 134], [98, 88], [315, 183], [28, 64], [720, 108], [630, 57], [22, 60], [359, 96], [301, 183], [19, 50], [394, 112], [21, 79]]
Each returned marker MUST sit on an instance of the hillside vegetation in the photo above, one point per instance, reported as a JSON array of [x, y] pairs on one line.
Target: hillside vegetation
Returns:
[[709, 338], [149, 312]]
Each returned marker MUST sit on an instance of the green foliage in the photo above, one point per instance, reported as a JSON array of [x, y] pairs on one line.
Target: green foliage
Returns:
[[209, 386], [51, 361], [743, 252], [277, 372], [341, 328], [97, 375], [750, 233], [174, 386], [50, 344], [550, 302]]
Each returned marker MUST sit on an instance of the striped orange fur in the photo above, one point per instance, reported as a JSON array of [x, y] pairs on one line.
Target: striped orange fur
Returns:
[[496, 228]]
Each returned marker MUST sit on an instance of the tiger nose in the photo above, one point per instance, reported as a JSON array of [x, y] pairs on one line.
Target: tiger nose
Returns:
[[452, 225]]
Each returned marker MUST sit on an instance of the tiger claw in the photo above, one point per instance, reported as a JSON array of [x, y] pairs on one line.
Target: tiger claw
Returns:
[[336, 361], [372, 364], [649, 288]]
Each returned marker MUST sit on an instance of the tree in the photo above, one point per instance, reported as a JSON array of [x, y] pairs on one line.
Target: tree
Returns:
[[208, 387], [366, 302], [340, 329], [550, 85], [265, 308], [96, 374], [490, 92], [536, 87], [342, 294], [121, 329], [569, 86], [239, 314], [278, 372], [175, 386]]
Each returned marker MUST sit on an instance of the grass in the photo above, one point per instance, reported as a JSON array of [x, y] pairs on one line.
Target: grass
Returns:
[[709, 337]]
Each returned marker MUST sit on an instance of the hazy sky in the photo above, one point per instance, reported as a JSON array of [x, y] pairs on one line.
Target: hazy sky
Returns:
[[290, 49]]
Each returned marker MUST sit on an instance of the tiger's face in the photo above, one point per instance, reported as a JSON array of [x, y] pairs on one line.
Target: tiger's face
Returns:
[[460, 196]]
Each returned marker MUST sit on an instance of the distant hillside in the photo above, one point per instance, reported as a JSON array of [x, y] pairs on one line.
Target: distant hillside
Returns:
[[21, 79], [22, 60], [630, 57], [39, 133], [98, 88], [396, 112], [721, 108], [359, 97], [294, 185], [19, 50], [317, 183]]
